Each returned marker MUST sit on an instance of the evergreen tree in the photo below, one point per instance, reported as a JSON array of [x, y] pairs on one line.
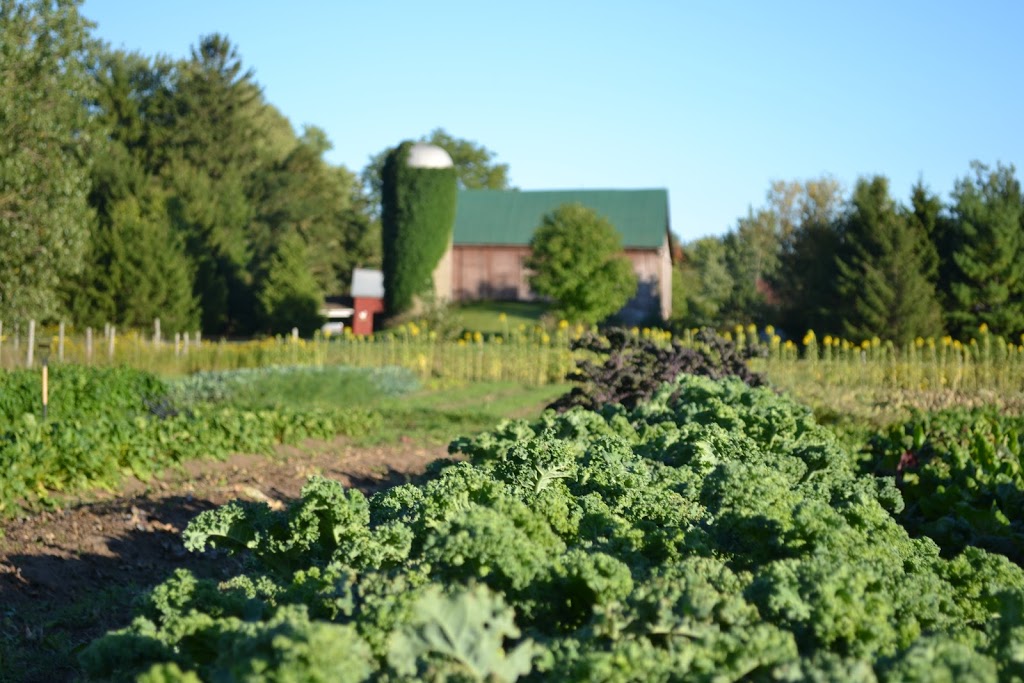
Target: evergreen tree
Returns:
[[752, 255], [211, 215], [45, 139], [986, 281], [303, 194], [136, 269], [210, 153], [925, 216], [289, 295], [805, 282], [882, 270], [706, 284]]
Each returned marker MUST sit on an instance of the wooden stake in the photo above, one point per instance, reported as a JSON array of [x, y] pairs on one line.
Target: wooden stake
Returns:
[[46, 388], [31, 343]]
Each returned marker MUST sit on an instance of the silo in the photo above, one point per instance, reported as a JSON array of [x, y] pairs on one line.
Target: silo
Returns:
[[418, 213]]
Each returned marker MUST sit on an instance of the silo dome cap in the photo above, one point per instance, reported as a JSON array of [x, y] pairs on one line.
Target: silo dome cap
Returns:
[[423, 155]]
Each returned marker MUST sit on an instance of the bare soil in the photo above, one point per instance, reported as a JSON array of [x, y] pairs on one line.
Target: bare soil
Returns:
[[69, 575]]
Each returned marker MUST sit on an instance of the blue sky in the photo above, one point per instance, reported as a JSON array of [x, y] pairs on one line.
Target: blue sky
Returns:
[[711, 100]]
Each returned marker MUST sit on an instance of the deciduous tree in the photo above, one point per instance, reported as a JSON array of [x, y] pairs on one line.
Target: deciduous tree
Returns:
[[45, 142], [475, 168], [705, 283], [577, 260], [805, 282]]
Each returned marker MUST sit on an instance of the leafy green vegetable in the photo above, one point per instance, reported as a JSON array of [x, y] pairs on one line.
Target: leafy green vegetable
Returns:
[[962, 476], [460, 636], [712, 532]]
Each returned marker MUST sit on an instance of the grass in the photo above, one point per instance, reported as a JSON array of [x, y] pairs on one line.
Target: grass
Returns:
[[485, 316], [439, 415], [431, 413], [298, 387], [430, 416]]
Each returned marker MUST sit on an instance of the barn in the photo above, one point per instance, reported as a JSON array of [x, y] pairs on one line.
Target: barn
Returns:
[[492, 233]]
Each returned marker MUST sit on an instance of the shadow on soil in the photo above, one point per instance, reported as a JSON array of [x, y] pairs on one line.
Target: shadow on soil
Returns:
[[55, 600]]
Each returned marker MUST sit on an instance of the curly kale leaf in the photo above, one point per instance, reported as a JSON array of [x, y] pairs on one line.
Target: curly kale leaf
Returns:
[[329, 523], [463, 635]]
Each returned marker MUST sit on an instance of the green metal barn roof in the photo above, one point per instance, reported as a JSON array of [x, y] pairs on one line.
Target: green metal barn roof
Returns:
[[509, 217]]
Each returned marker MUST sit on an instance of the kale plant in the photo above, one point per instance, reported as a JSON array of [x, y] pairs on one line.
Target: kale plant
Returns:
[[626, 368]]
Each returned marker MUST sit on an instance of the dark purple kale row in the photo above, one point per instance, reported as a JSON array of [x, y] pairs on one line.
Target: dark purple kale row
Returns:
[[628, 368]]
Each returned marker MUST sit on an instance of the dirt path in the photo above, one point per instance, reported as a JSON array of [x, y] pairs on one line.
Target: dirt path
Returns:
[[69, 575]]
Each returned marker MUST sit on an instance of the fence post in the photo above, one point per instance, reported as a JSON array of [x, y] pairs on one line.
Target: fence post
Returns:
[[177, 344], [156, 332], [88, 346], [110, 343], [31, 343], [60, 342], [186, 335]]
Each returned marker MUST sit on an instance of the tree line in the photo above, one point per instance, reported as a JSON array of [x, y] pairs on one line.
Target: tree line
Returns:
[[866, 264], [136, 187]]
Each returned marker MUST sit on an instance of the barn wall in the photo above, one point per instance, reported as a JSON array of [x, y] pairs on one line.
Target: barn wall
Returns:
[[665, 278], [497, 273], [646, 303]]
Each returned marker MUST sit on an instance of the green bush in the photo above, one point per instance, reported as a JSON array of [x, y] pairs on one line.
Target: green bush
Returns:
[[80, 393], [962, 475], [105, 423]]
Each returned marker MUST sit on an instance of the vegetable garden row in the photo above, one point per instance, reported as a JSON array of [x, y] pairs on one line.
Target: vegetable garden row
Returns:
[[696, 529], [714, 532]]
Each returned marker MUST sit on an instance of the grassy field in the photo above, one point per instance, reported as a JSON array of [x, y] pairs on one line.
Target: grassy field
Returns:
[[431, 414], [498, 317]]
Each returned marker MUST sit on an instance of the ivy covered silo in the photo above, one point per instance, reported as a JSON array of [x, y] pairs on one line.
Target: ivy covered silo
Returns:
[[417, 216]]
